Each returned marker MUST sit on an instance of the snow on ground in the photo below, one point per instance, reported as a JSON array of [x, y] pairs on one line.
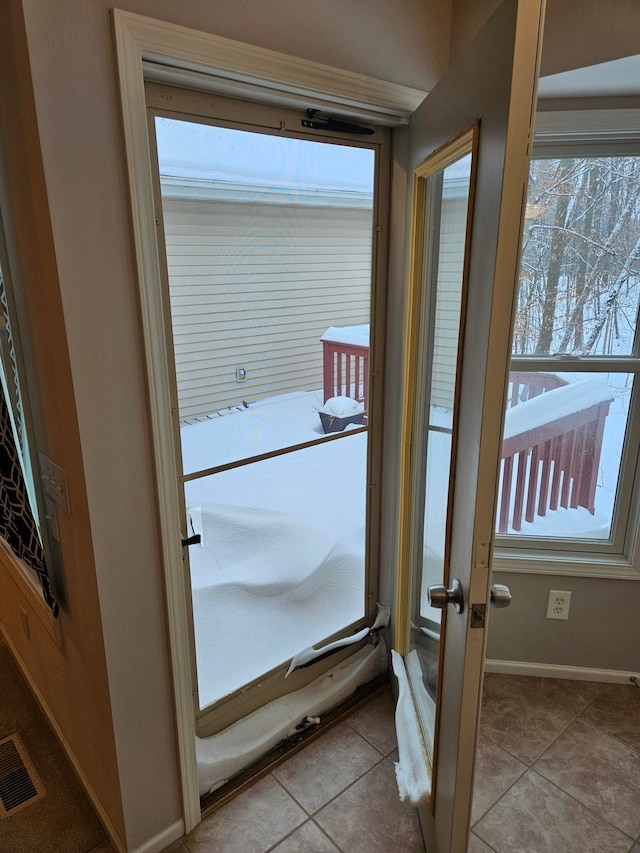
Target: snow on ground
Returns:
[[267, 425], [585, 390], [222, 755], [282, 552]]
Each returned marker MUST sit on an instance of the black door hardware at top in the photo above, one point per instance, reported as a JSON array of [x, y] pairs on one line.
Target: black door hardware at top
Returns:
[[329, 123]]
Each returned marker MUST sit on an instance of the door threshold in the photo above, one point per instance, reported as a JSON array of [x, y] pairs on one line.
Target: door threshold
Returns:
[[286, 748]]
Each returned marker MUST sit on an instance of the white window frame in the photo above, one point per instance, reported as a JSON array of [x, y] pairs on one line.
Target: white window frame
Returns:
[[579, 134]]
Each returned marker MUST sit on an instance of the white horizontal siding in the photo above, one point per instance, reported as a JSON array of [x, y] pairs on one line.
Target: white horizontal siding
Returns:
[[450, 270], [255, 286]]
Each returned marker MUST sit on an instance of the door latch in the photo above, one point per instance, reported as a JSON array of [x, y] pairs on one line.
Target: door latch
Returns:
[[192, 540], [478, 612]]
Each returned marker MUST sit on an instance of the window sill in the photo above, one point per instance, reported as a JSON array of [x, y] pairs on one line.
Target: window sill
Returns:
[[575, 565]]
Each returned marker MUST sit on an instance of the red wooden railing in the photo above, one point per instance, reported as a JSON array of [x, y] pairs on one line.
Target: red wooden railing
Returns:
[[551, 459], [550, 452], [345, 368]]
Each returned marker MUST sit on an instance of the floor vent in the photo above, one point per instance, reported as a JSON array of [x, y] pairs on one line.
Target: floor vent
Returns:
[[19, 782]]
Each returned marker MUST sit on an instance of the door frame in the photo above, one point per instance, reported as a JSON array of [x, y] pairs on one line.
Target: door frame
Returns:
[[152, 49], [279, 122]]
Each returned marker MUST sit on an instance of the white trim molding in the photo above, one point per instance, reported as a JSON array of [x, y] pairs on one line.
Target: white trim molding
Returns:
[[552, 670], [575, 564], [162, 840], [178, 54], [587, 125], [143, 46]]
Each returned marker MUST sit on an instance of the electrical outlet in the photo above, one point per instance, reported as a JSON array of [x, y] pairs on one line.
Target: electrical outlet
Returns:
[[54, 481], [558, 605]]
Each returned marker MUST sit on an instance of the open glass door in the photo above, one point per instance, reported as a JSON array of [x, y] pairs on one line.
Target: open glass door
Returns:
[[469, 153]]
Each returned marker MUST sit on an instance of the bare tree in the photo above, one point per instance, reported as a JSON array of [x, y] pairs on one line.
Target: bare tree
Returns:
[[580, 282]]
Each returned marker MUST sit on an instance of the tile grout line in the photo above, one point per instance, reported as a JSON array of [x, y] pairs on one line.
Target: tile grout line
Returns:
[[488, 846], [310, 816], [593, 699], [370, 742], [382, 757], [577, 715], [612, 736], [566, 793], [584, 805], [346, 788], [288, 835], [288, 792], [326, 835], [541, 753], [486, 812], [599, 728], [297, 828]]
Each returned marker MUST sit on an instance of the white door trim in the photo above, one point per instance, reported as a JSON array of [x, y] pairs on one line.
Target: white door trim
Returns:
[[226, 65]]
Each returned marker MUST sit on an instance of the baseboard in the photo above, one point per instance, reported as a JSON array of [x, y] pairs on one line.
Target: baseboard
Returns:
[[552, 670], [66, 748], [163, 839]]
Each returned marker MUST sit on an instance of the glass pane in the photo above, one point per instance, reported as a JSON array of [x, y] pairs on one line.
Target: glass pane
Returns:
[[12, 389], [269, 243], [280, 565], [446, 208], [561, 453], [578, 295], [580, 274], [269, 247]]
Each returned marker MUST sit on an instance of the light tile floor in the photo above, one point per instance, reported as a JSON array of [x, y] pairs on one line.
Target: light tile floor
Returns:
[[558, 767], [337, 794]]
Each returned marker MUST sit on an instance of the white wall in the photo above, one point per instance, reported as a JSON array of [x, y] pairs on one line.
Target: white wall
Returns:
[[69, 679], [577, 33], [74, 80]]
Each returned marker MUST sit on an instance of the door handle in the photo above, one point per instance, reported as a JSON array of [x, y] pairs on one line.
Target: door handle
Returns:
[[500, 595], [439, 596]]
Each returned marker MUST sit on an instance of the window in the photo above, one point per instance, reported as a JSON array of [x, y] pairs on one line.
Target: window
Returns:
[[20, 517], [570, 446]]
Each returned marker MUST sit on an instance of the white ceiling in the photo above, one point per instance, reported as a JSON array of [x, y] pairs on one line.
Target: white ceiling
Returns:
[[619, 77]]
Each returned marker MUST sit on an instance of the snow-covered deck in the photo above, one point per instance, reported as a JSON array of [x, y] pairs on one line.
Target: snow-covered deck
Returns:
[[552, 446], [281, 562]]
